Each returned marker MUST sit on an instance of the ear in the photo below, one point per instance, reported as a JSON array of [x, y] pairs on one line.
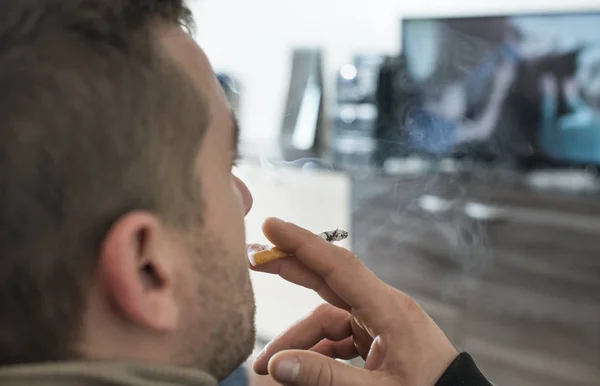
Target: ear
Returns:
[[136, 272]]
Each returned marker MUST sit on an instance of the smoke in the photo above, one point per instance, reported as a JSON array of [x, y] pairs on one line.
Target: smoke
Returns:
[[308, 164], [414, 216], [420, 212]]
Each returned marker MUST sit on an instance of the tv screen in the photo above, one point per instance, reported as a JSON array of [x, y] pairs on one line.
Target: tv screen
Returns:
[[503, 87]]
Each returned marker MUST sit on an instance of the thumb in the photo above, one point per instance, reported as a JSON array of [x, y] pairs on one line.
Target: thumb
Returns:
[[307, 368]]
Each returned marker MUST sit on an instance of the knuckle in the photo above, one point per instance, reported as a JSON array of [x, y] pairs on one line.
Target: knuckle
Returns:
[[409, 305], [323, 309], [319, 287], [348, 254], [302, 244], [348, 257], [323, 376], [330, 314]]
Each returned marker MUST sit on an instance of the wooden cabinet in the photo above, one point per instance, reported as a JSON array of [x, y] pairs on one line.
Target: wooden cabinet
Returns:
[[512, 275]]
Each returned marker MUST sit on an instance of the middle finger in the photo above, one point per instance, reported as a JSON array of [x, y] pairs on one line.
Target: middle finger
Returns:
[[341, 270], [326, 322], [292, 270]]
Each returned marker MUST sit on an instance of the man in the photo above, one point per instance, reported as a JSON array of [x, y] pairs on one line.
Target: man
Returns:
[[574, 136], [440, 124], [121, 226]]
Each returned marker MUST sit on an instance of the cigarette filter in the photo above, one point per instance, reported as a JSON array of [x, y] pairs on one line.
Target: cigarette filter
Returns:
[[261, 254]]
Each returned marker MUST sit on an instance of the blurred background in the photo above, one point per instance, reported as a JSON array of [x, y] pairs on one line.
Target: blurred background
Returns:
[[459, 143]]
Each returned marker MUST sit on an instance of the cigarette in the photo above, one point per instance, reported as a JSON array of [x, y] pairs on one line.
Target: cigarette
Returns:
[[261, 254]]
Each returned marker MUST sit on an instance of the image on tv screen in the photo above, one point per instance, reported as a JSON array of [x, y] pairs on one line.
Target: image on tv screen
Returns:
[[502, 87]]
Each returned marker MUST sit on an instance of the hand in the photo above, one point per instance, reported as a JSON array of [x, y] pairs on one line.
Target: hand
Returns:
[[364, 317], [504, 78]]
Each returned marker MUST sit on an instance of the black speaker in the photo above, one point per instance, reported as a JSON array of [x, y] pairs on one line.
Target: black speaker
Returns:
[[302, 132]]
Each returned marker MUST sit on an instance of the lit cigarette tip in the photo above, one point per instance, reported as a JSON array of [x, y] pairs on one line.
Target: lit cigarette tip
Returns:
[[336, 235]]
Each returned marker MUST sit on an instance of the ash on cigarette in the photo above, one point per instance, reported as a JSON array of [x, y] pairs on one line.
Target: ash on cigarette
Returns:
[[335, 235]]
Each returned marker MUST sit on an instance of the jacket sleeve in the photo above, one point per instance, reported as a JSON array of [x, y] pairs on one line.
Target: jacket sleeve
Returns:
[[463, 372]]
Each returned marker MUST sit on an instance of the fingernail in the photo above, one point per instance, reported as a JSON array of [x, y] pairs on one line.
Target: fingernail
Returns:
[[287, 369], [276, 219]]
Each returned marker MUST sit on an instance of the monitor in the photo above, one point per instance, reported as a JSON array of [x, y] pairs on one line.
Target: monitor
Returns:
[[518, 87]]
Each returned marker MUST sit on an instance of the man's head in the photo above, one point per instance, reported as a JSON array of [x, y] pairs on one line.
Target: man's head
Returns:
[[588, 74], [121, 226]]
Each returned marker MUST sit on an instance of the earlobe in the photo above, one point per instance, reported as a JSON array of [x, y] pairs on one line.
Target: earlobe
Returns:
[[136, 273]]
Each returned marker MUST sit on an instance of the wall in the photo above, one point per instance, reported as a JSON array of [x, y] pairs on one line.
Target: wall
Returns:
[[252, 39]]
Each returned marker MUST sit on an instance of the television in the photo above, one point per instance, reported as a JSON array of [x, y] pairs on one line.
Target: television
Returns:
[[522, 88]]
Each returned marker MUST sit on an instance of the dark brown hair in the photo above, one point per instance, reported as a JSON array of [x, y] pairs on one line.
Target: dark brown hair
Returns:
[[95, 121]]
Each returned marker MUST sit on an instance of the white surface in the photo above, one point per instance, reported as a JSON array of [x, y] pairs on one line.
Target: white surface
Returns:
[[317, 201], [253, 40], [566, 180]]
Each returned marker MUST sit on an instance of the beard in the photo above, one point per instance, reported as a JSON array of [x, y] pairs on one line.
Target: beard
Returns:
[[219, 333]]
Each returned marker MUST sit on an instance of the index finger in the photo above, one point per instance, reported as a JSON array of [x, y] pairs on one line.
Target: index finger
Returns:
[[341, 269]]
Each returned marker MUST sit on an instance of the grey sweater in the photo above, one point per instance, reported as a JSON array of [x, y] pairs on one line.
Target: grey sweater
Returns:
[[102, 374]]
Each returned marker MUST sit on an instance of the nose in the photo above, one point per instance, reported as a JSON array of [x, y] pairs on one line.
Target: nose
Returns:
[[247, 199]]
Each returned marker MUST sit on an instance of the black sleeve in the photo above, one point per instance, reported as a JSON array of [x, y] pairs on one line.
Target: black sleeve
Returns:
[[463, 372]]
